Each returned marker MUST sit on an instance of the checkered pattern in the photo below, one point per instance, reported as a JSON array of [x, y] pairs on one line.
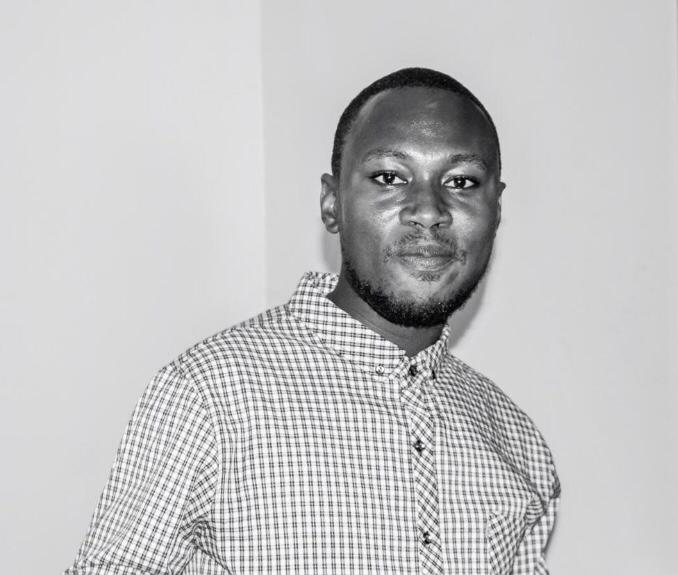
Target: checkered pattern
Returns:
[[301, 442]]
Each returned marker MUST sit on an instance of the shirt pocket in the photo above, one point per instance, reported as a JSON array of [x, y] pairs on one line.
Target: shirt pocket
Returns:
[[504, 531]]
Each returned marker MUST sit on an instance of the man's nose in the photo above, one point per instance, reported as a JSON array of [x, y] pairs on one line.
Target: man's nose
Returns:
[[426, 206]]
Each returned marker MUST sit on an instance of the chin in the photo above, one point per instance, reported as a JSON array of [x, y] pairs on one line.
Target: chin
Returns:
[[424, 285], [412, 296]]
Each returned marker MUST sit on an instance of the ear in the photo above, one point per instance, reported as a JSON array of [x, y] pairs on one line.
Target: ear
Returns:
[[329, 203], [500, 189]]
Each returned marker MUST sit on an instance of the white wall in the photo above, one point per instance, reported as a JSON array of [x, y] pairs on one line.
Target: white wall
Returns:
[[132, 224], [578, 321]]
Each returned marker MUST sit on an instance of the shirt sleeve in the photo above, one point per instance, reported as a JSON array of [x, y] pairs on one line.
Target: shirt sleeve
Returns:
[[530, 559], [160, 490]]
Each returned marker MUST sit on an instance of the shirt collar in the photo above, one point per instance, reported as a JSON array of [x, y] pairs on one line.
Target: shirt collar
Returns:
[[351, 339]]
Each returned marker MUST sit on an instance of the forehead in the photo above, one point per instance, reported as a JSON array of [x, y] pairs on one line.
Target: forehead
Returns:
[[425, 118]]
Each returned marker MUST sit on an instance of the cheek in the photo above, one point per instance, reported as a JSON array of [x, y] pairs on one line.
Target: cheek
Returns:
[[477, 226], [364, 243], [367, 224]]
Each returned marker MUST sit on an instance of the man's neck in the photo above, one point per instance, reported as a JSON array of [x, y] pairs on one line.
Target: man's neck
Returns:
[[410, 339]]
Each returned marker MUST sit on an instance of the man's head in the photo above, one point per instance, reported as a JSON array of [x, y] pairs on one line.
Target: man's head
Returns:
[[414, 194]]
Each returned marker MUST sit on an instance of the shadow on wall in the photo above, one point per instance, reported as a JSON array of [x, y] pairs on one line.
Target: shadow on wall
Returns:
[[459, 322]]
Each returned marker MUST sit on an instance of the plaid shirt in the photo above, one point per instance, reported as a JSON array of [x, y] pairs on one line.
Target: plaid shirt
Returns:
[[303, 442]]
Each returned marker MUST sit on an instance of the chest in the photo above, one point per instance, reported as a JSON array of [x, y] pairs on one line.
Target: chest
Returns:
[[335, 466]]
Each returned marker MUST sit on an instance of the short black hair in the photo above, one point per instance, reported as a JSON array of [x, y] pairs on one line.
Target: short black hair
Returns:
[[404, 78]]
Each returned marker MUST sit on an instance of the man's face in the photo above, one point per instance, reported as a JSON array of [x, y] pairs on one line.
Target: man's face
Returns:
[[417, 204]]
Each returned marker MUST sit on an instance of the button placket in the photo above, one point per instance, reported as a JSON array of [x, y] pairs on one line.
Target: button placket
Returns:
[[416, 404]]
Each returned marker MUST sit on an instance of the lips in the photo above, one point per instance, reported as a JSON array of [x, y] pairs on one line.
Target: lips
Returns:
[[430, 257]]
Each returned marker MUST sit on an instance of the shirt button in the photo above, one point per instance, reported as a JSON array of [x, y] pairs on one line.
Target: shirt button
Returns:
[[419, 446], [379, 370], [413, 370], [426, 538]]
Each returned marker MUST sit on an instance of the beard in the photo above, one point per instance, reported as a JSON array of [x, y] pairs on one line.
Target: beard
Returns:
[[408, 311]]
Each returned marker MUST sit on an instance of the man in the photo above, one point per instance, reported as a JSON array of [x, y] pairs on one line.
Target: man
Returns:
[[336, 434]]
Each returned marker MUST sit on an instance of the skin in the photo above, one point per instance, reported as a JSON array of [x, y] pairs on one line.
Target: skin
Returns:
[[417, 205]]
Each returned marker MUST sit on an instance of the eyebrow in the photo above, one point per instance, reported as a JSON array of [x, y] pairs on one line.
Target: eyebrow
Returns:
[[381, 153], [454, 159], [469, 159]]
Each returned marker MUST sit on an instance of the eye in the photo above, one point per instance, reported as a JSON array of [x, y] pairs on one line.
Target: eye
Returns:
[[388, 179], [461, 182]]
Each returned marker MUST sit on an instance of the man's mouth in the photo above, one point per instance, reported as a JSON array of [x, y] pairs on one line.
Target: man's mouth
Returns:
[[428, 257]]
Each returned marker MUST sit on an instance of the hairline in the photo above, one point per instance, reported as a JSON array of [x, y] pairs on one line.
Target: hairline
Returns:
[[356, 116], [405, 78]]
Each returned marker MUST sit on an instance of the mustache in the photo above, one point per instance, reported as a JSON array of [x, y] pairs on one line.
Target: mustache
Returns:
[[426, 244]]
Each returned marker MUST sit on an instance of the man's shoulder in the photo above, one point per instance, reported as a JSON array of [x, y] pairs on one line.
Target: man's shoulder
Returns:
[[244, 344], [500, 420], [466, 381]]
